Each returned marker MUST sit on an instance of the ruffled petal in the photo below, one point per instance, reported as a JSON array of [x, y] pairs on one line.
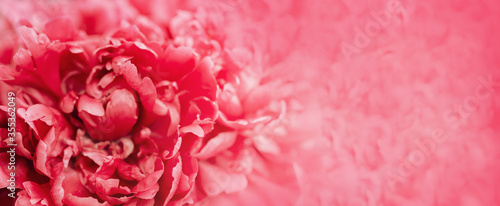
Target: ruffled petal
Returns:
[[169, 181], [219, 143], [200, 82], [176, 63]]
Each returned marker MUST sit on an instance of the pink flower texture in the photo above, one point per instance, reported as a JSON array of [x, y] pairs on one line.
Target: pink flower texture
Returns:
[[236, 102]]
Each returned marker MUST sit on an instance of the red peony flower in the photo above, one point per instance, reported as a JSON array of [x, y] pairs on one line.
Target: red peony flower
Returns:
[[115, 109]]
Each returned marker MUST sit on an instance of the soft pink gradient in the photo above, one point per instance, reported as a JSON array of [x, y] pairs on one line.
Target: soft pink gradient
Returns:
[[407, 114]]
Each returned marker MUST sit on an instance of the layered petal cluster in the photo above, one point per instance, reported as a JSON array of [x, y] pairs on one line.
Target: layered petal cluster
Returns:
[[118, 107]]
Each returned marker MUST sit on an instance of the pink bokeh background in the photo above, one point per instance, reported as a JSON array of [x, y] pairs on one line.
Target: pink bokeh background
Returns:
[[381, 106]]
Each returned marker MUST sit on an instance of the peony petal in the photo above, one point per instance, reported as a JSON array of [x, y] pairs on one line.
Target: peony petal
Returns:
[[6, 73], [131, 33], [258, 98], [122, 112], [238, 57], [72, 184], [169, 181], [143, 56], [36, 45], [149, 193], [90, 105], [140, 202], [147, 93], [219, 143], [208, 109], [266, 144], [106, 80], [73, 200], [215, 180], [22, 148], [130, 172], [187, 181], [40, 159], [177, 63], [23, 59], [56, 189], [109, 186], [4, 172], [193, 128], [40, 112], [127, 147], [202, 111], [151, 178], [61, 28], [174, 119], [242, 123], [159, 135], [129, 72], [200, 82], [160, 108], [97, 156], [37, 193], [22, 198], [150, 29], [67, 103], [229, 101]]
